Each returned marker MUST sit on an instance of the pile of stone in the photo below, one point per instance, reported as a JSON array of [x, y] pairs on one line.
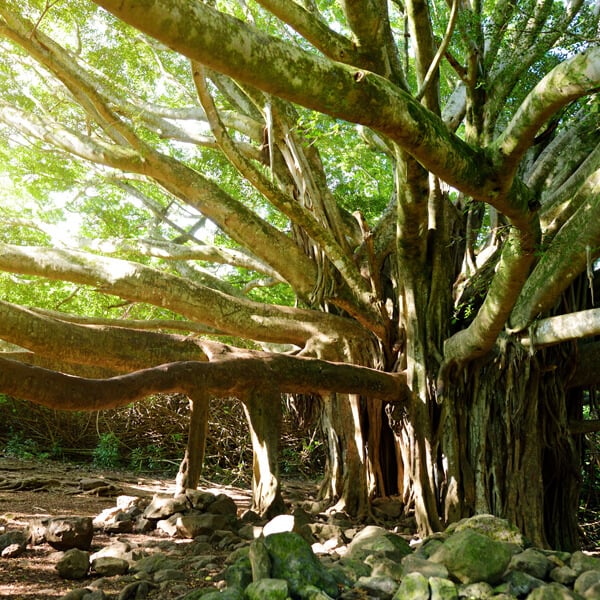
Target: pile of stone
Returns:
[[299, 557]]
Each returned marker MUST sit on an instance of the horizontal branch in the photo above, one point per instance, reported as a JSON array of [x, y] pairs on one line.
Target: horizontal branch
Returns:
[[139, 283], [234, 375], [578, 427], [554, 330]]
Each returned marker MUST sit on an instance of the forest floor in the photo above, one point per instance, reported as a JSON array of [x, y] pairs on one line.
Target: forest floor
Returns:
[[37, 489]]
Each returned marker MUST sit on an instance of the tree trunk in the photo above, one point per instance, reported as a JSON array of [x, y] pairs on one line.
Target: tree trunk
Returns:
[[190, 468], [263, 411], [504, 434]]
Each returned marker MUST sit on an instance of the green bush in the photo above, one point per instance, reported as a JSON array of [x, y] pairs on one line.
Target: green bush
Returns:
[[21, 447], [106, 454]]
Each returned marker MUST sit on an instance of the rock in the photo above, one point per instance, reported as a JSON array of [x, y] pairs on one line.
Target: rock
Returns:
[[78, 594], [169, 525], [154, 562], [493, 527], [137, 590], [581, 562], [470, 557], [222, 505], [563, 575], [192, 525], [114, 520], [553, 591], [163, 506], [169, 575], [74, 564], [377, 587], [379, 541], [388, 509], [64, 533], [239, 574], [442, 589], [313, 593], [36, 531], [13, 544], [476, 591], [293, 560], [108, 566], [385, 567], [267, 589], [533, 562], [326, 532], [260, 561], [585, 581], [413, 587], [413, 563], [521, 583], [229, 594], [12, 551], [121, 550], [282, 523]]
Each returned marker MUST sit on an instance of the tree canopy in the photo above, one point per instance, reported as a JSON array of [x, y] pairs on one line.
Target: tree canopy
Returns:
[[404, 187]]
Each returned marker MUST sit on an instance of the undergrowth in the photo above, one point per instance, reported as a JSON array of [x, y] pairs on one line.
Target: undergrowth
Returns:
[[150, 437]]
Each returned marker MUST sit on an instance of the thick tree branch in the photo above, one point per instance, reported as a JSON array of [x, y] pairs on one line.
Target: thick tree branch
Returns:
[[232, 216], [571, 79], [563, 260], [136, 282], [562, 328], [229, 376], [289, 206], [329, 42], [236, 49], [170, 251], [511, 274], [113, 346]]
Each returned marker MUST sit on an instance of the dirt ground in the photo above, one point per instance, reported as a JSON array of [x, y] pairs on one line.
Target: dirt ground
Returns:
[[30, 489]]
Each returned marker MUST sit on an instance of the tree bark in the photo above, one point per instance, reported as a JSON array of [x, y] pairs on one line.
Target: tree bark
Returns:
[[263, 411], [190, 467]]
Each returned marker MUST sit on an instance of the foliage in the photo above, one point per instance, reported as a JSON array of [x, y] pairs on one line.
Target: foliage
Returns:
[[17, 446], [107, 454], [111, 439]]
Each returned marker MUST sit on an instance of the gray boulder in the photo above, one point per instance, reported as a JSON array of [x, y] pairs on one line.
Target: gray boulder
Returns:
[[412, 563], [292, 559], [108, 566], [581, 562], [470, 556], [553, 591], [533, 562], [442, 589], [64, 533], [163, 506], [267, 589], [493, 527], [74, 564], [13, 544], [192, 525], [585, 581], [413, 587], [379, 541], [260, 561]]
